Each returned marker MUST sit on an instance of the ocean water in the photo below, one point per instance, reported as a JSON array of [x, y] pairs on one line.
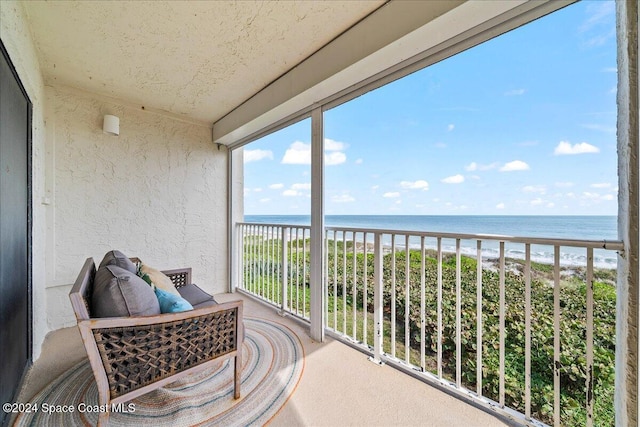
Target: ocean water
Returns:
[[565, 227]]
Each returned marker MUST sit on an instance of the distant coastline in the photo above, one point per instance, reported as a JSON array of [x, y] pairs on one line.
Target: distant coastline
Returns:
[[581, 227], [587, 227]]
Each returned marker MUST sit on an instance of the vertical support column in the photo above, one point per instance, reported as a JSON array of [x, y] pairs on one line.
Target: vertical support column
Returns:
[[377, 299], [316, 314], [628, 285], [235, 215]]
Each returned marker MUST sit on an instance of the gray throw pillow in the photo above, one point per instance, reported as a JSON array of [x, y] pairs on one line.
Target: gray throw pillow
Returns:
[[194, 294], [121, 260], [119, 293]]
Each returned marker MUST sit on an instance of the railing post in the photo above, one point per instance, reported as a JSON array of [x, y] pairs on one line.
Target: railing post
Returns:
[[285, 270], [590, 371], [377, 299]]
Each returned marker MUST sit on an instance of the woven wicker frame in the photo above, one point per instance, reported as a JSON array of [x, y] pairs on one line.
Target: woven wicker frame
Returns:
[[131, 356]]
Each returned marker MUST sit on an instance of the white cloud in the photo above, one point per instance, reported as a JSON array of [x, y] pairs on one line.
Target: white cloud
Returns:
[[375, 187], [332, 145], [359, 161], [455, 179], [451, 127], [565, 148], [597, 197], [265, 200], [500, 206], [276, 186], [304, 186], [537, 202], [541, 189], [473, 166], [299, 153], [415, 185], [290, 193], [516, 165], [256, 155], [334, 158], [391, 195], [598, 13], [515, 92], [343, 198], [601, 185], [599, 127]]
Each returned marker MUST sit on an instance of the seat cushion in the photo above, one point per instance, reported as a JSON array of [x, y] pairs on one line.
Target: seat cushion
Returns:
[[194, 294], [119, 259], [118, 292], [204, 304]]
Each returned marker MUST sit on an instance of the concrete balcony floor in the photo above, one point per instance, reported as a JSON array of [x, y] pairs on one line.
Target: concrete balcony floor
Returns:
[[339, 386]]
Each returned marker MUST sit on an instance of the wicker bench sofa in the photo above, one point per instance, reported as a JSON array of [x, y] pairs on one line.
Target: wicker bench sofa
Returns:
[[132, 355]]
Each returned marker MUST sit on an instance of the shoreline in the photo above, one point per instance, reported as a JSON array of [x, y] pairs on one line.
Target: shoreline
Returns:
[[488, 260]]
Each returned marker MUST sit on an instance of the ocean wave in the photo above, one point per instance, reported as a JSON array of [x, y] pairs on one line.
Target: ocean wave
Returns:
[[569, 256]]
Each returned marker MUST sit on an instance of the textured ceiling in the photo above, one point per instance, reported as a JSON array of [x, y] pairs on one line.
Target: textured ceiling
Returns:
[[195, 59]]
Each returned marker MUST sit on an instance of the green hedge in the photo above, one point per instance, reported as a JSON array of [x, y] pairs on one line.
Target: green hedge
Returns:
[[573, 367]]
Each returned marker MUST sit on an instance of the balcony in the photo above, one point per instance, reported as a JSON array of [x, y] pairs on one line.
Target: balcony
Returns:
[[542, 328], [339, 386], [192, 87], [275, 286]]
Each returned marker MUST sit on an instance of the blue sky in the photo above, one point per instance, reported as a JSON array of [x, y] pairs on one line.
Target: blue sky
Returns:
[[523, 124]]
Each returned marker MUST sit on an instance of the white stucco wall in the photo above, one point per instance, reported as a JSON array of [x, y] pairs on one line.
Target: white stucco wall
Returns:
[[158, 191], [16, 37]]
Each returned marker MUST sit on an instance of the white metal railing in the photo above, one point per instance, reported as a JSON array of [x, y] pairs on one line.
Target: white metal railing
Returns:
[[274, 265], [426, 302]]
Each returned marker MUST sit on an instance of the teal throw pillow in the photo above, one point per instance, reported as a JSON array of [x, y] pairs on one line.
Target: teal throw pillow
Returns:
[[170, 303]]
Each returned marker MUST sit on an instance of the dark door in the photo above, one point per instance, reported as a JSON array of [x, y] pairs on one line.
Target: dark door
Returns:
[[15, 232]]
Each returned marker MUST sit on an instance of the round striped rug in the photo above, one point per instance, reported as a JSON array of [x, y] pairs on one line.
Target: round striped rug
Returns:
[[273, 362]]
